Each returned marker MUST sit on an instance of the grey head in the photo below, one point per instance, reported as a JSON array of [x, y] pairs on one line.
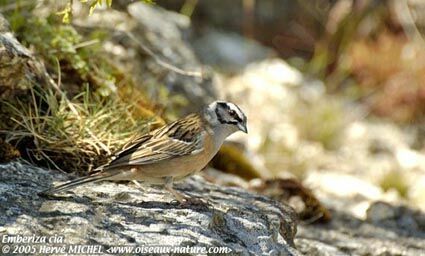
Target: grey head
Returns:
[[227, 115]]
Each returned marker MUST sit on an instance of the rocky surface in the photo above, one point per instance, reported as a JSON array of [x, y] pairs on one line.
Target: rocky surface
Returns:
[[13, 62], [19, 69], [382, 229], [387, 230], [228, 52], [296, 128], [164, 33], [276, 23], [110, 214]]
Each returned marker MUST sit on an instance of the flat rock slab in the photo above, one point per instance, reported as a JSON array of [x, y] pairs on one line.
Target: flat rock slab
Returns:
[[110, 214]]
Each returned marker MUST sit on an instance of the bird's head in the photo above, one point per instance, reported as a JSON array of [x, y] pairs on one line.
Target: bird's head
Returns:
[[226, 114]]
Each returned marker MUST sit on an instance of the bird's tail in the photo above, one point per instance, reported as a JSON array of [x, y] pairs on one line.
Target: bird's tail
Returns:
[[98, 176]]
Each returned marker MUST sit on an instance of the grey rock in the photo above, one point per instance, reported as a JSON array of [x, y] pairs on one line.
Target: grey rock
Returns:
[[13, 61], [388, 229], [347, 235], [110, 214], [165, 33], [274, 23], [18, 67], [229, 52], [151, 43], [408, 221], [234, 16]]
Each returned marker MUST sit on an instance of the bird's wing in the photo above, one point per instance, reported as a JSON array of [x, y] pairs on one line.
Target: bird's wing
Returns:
[[182, 137]]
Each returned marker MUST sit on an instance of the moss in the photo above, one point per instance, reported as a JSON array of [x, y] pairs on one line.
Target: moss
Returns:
[[395, 180], [71, 57]]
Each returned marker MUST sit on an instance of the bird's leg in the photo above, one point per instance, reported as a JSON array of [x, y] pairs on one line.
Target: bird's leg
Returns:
[[180, 197], [137, 184], [169, 186]]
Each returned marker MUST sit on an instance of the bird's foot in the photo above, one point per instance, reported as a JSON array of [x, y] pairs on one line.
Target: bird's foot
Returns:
[[191, 202]]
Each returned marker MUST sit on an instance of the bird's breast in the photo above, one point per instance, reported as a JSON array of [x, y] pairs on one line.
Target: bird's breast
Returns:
[[181, 166]]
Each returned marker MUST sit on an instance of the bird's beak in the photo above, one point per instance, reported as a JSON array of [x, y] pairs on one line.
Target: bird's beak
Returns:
[[243, 127]]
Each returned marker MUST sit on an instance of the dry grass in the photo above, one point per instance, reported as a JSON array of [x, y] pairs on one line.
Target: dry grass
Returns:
[[72, 135], [391, 72]]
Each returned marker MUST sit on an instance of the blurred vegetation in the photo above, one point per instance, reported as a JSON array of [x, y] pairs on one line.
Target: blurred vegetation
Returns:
[[371, 51], [368, 53], [397, 181], [67, 11], [231, 159], [391, 72], [322, 122]]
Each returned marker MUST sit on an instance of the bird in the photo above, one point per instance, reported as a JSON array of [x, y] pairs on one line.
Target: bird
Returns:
[[170, 153]]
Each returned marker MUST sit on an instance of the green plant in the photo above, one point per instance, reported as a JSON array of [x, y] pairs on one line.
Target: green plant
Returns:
[[66, 12], [81, 59], [395, 180]]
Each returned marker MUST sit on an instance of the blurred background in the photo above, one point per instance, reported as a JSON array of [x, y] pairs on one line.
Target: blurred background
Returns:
[[334, 90]]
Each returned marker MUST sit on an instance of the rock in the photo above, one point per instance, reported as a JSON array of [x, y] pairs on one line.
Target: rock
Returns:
[[380, 212], [384, 229], [410, 222], [14, 60], [378, 151], [410, 159], [18, 67], [110, 214], [229, 52], [266, 87], [417, 191], [343, 185], [150, 42], [164, 33], [4, 25], [283, 24], [347, 235]]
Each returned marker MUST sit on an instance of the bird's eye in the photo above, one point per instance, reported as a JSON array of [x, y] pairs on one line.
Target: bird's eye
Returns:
[[232, 112]]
